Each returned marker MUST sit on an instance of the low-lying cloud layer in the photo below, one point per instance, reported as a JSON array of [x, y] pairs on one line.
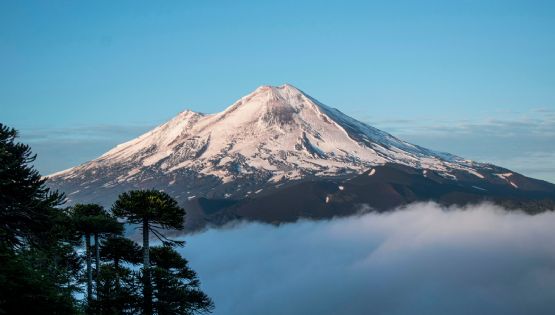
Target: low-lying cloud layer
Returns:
[[423, 259]]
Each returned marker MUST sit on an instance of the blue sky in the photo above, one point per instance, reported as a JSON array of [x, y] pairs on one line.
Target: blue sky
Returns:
[[475, 78]]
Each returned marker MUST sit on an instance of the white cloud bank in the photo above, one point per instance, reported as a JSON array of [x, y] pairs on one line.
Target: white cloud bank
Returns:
[[422, 260]]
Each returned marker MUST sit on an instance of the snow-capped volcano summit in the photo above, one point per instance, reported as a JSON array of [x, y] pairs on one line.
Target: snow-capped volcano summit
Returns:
[[274, 133], [261, 150]]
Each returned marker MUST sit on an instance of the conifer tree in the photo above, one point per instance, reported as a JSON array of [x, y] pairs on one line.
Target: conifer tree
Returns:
[[38, 264], [93, 220], [119, 249], [153, 210], [25, 202], [176, 286], [119, 286]]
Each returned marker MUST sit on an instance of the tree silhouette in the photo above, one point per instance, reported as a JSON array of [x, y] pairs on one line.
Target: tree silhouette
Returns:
[[40, 268], [114, 298], [104, 224], [119, 249], [83, 217], [93, 220], [37, 259], [176, 286], [152, 210], [25, 201], [118, 286]]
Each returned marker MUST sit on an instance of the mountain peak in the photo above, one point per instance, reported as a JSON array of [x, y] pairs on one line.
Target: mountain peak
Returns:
[[271, 134], [285, 86], [188, 113], [266, 143], [284, 91], [268, 100]]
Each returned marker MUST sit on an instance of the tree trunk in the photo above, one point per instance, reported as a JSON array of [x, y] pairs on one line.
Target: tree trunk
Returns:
[[146, 270], [116, 267], [89, 267], [97, 259]]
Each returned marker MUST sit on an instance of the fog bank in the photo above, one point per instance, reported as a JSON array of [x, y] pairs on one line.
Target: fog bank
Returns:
[[423, 259]]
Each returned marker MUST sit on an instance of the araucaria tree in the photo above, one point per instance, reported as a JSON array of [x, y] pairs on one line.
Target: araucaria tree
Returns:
[[119, 249], [118, 287], [153, 210], [93, 220], [40, 270], [176, 286], [38, 264]]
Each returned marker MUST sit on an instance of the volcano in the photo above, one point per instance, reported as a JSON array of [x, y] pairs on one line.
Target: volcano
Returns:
[[277, 154]]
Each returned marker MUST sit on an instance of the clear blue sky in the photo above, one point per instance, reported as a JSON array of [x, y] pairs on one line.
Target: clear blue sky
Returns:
[[77, 77]]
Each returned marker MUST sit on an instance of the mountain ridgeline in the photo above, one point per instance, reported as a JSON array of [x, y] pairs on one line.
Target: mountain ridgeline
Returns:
[[277, 155]]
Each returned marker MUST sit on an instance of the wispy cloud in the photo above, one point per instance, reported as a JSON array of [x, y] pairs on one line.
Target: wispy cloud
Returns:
[[62, 148], [535, 164], [539, 122], [84, 132], [422, 260], [524, 142]]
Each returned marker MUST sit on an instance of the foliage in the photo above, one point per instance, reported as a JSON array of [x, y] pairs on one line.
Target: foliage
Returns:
[[25, 202], [41, 270], [120, 249], [38, 264], [118, 291], [176, 286], [92, 218], [157, 208], [153, 210]]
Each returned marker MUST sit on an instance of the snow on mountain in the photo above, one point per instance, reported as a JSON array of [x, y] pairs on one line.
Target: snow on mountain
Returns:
[[270, 136]]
